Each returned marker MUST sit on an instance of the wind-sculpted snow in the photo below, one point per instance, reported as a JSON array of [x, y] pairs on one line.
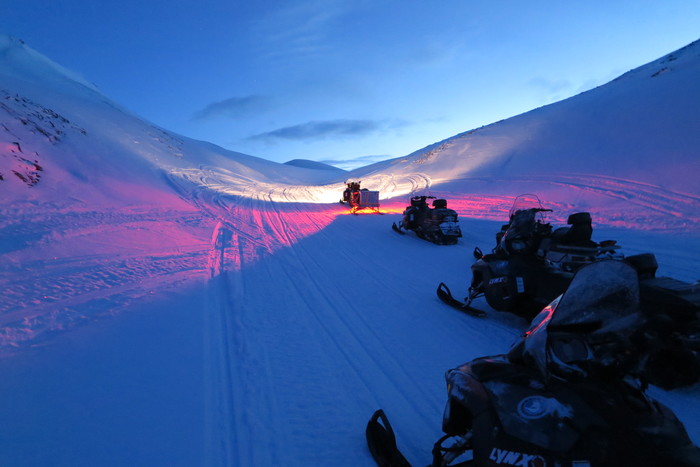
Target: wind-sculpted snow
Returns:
[[64, 268]]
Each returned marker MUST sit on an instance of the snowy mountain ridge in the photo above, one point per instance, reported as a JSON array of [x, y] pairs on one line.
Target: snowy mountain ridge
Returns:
[[29, 65], [40, 97], [648, 114], [594, 134]]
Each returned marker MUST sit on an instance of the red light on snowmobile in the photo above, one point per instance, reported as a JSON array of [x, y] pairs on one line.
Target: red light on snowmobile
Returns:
[[542, 318]]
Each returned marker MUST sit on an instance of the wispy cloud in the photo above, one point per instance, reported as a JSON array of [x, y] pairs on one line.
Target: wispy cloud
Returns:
[[301, 29], [317, 130], [234, 107]]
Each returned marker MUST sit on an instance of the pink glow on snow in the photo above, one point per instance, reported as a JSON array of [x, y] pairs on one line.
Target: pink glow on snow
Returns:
[[260, 229], [611, 202]]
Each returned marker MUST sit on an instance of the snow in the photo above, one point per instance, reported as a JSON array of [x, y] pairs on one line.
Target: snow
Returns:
[[168, 302]]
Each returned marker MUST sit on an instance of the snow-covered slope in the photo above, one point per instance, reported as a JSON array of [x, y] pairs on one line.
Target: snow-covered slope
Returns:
[[168, 302], [627, 150], [642, 126], [62, 135], [312, 165]]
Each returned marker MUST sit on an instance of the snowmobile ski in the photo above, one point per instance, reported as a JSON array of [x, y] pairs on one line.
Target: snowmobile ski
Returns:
[[397, 229], [381, 442], [444, 294]]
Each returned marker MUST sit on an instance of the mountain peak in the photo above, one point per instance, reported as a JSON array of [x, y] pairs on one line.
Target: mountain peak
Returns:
[[19, 61]]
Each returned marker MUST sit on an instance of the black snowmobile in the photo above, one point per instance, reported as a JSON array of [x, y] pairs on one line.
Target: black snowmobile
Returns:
[[438, 224], [531, 264], [568, 393]]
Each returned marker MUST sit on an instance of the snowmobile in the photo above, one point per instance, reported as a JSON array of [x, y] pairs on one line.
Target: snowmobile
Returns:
[[360, 198], [566, 248], [567, 393], [438, 224], [531, 264]]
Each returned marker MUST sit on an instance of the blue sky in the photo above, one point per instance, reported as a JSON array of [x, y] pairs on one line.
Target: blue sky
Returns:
[[354, 80]]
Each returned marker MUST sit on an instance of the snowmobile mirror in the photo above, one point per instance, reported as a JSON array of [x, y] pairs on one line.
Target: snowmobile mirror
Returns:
[[478, 254]]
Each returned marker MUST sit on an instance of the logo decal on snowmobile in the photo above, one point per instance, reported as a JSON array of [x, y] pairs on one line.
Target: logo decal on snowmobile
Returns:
[[498, 280], [534, 407], [503, 456]]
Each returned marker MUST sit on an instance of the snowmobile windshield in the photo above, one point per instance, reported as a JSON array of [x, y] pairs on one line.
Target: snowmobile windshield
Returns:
[[603, 298], [599, 296], [525, 202], [526, 225]]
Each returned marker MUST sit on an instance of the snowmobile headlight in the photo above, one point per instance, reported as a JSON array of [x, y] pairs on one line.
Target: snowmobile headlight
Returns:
[[568, 356]]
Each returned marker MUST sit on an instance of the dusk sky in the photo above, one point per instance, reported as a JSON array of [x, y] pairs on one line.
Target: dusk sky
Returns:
[[353, 80]]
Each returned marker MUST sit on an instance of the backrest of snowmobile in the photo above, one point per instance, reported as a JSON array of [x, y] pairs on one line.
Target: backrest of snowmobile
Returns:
[[439, 203], [645, 264], [581, 229]]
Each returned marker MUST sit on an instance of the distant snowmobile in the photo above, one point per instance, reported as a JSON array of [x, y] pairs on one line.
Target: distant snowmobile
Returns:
[[437, 224], [568, 393], [360, 198]]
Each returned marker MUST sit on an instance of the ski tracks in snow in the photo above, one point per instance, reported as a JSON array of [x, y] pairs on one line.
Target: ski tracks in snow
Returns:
[[644, 206], [296, 344]]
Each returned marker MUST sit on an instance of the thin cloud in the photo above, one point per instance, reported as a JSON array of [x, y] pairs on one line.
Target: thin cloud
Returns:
[[551, 90], [301, 29], [317, 130], [234, 107], [356, 162]]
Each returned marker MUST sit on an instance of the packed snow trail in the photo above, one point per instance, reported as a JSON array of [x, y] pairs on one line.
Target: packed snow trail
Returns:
[[315, 328], [305, 343], [316, 318]]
